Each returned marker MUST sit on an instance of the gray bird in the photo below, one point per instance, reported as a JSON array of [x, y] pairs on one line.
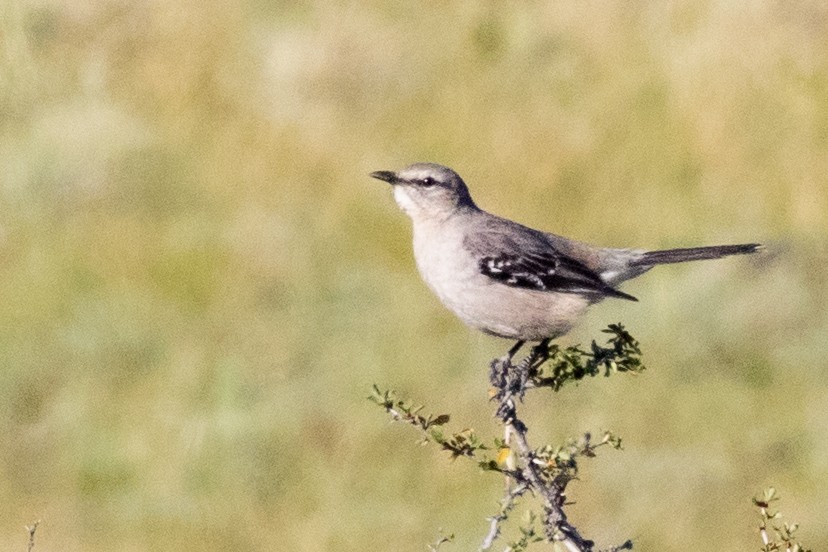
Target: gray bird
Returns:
[[504, 278]]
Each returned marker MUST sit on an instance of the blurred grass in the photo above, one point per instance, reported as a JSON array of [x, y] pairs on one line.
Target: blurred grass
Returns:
[[198, 282]]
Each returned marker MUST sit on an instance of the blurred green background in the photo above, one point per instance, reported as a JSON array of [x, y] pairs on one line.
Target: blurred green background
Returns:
[[199, 283]]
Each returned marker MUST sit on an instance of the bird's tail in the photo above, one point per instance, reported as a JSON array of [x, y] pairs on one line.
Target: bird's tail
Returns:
[[668, 256]]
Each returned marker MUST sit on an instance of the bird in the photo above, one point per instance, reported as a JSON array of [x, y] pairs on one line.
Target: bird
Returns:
[[506, 279]]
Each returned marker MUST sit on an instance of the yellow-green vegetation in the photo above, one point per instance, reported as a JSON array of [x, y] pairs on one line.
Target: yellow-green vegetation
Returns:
[[199, 282]]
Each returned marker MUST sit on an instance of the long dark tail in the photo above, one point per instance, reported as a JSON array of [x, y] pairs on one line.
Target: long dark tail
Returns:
[[695, 254]]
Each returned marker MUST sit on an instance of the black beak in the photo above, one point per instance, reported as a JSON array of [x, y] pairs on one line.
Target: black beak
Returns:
[[386, 176]]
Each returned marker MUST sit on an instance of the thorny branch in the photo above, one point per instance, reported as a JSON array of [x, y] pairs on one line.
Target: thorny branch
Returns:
[[546, 471], [506, 506], [543, 475]]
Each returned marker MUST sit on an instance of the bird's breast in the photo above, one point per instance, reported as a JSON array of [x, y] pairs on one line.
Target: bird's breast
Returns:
[[443, 262]]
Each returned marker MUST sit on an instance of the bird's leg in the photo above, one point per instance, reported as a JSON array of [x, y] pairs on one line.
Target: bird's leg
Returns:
[[511, 380], [537, 356], [500, 366], [541, 351], [515, 348]]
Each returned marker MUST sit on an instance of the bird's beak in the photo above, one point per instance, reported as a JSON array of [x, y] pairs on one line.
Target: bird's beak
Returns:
[[386, 176]]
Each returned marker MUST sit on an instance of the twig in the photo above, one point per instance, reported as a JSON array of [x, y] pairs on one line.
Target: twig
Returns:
[[556, 525], [763, 528], [31, 529], [441, 541], [783, 534], [546, 471], [506, 505]]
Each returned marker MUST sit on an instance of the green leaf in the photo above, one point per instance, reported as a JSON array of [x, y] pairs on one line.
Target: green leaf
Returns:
[[441, 419]]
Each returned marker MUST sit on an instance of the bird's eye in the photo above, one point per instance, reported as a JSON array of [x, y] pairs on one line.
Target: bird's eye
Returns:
[[428, 182]]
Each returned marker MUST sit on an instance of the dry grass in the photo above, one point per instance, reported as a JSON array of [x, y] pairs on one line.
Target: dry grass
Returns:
[[199, 282]]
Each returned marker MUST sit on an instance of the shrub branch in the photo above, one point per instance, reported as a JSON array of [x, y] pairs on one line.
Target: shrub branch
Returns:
[[543, 472]]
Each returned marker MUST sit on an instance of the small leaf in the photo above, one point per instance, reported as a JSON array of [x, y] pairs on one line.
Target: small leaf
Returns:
[[503, 455], [489, 465], [441, 419]]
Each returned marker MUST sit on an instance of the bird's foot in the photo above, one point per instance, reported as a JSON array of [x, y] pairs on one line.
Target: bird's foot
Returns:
[[512, 380], [499, 368], [519, 377], [540, 352]]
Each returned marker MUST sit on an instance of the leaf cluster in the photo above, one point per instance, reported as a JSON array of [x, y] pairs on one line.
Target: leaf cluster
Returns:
[[782, 535], [560, 463], [462, 443], [546, 471], [620, 354], [543, 472], [529, 534]]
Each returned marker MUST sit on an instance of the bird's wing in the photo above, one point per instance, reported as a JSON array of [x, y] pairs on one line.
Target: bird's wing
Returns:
[[521, 257]]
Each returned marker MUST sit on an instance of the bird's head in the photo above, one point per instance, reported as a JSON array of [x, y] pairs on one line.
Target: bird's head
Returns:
[[427, 190]]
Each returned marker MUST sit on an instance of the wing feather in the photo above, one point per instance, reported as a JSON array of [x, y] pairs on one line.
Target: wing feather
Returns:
[[521, 257]]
